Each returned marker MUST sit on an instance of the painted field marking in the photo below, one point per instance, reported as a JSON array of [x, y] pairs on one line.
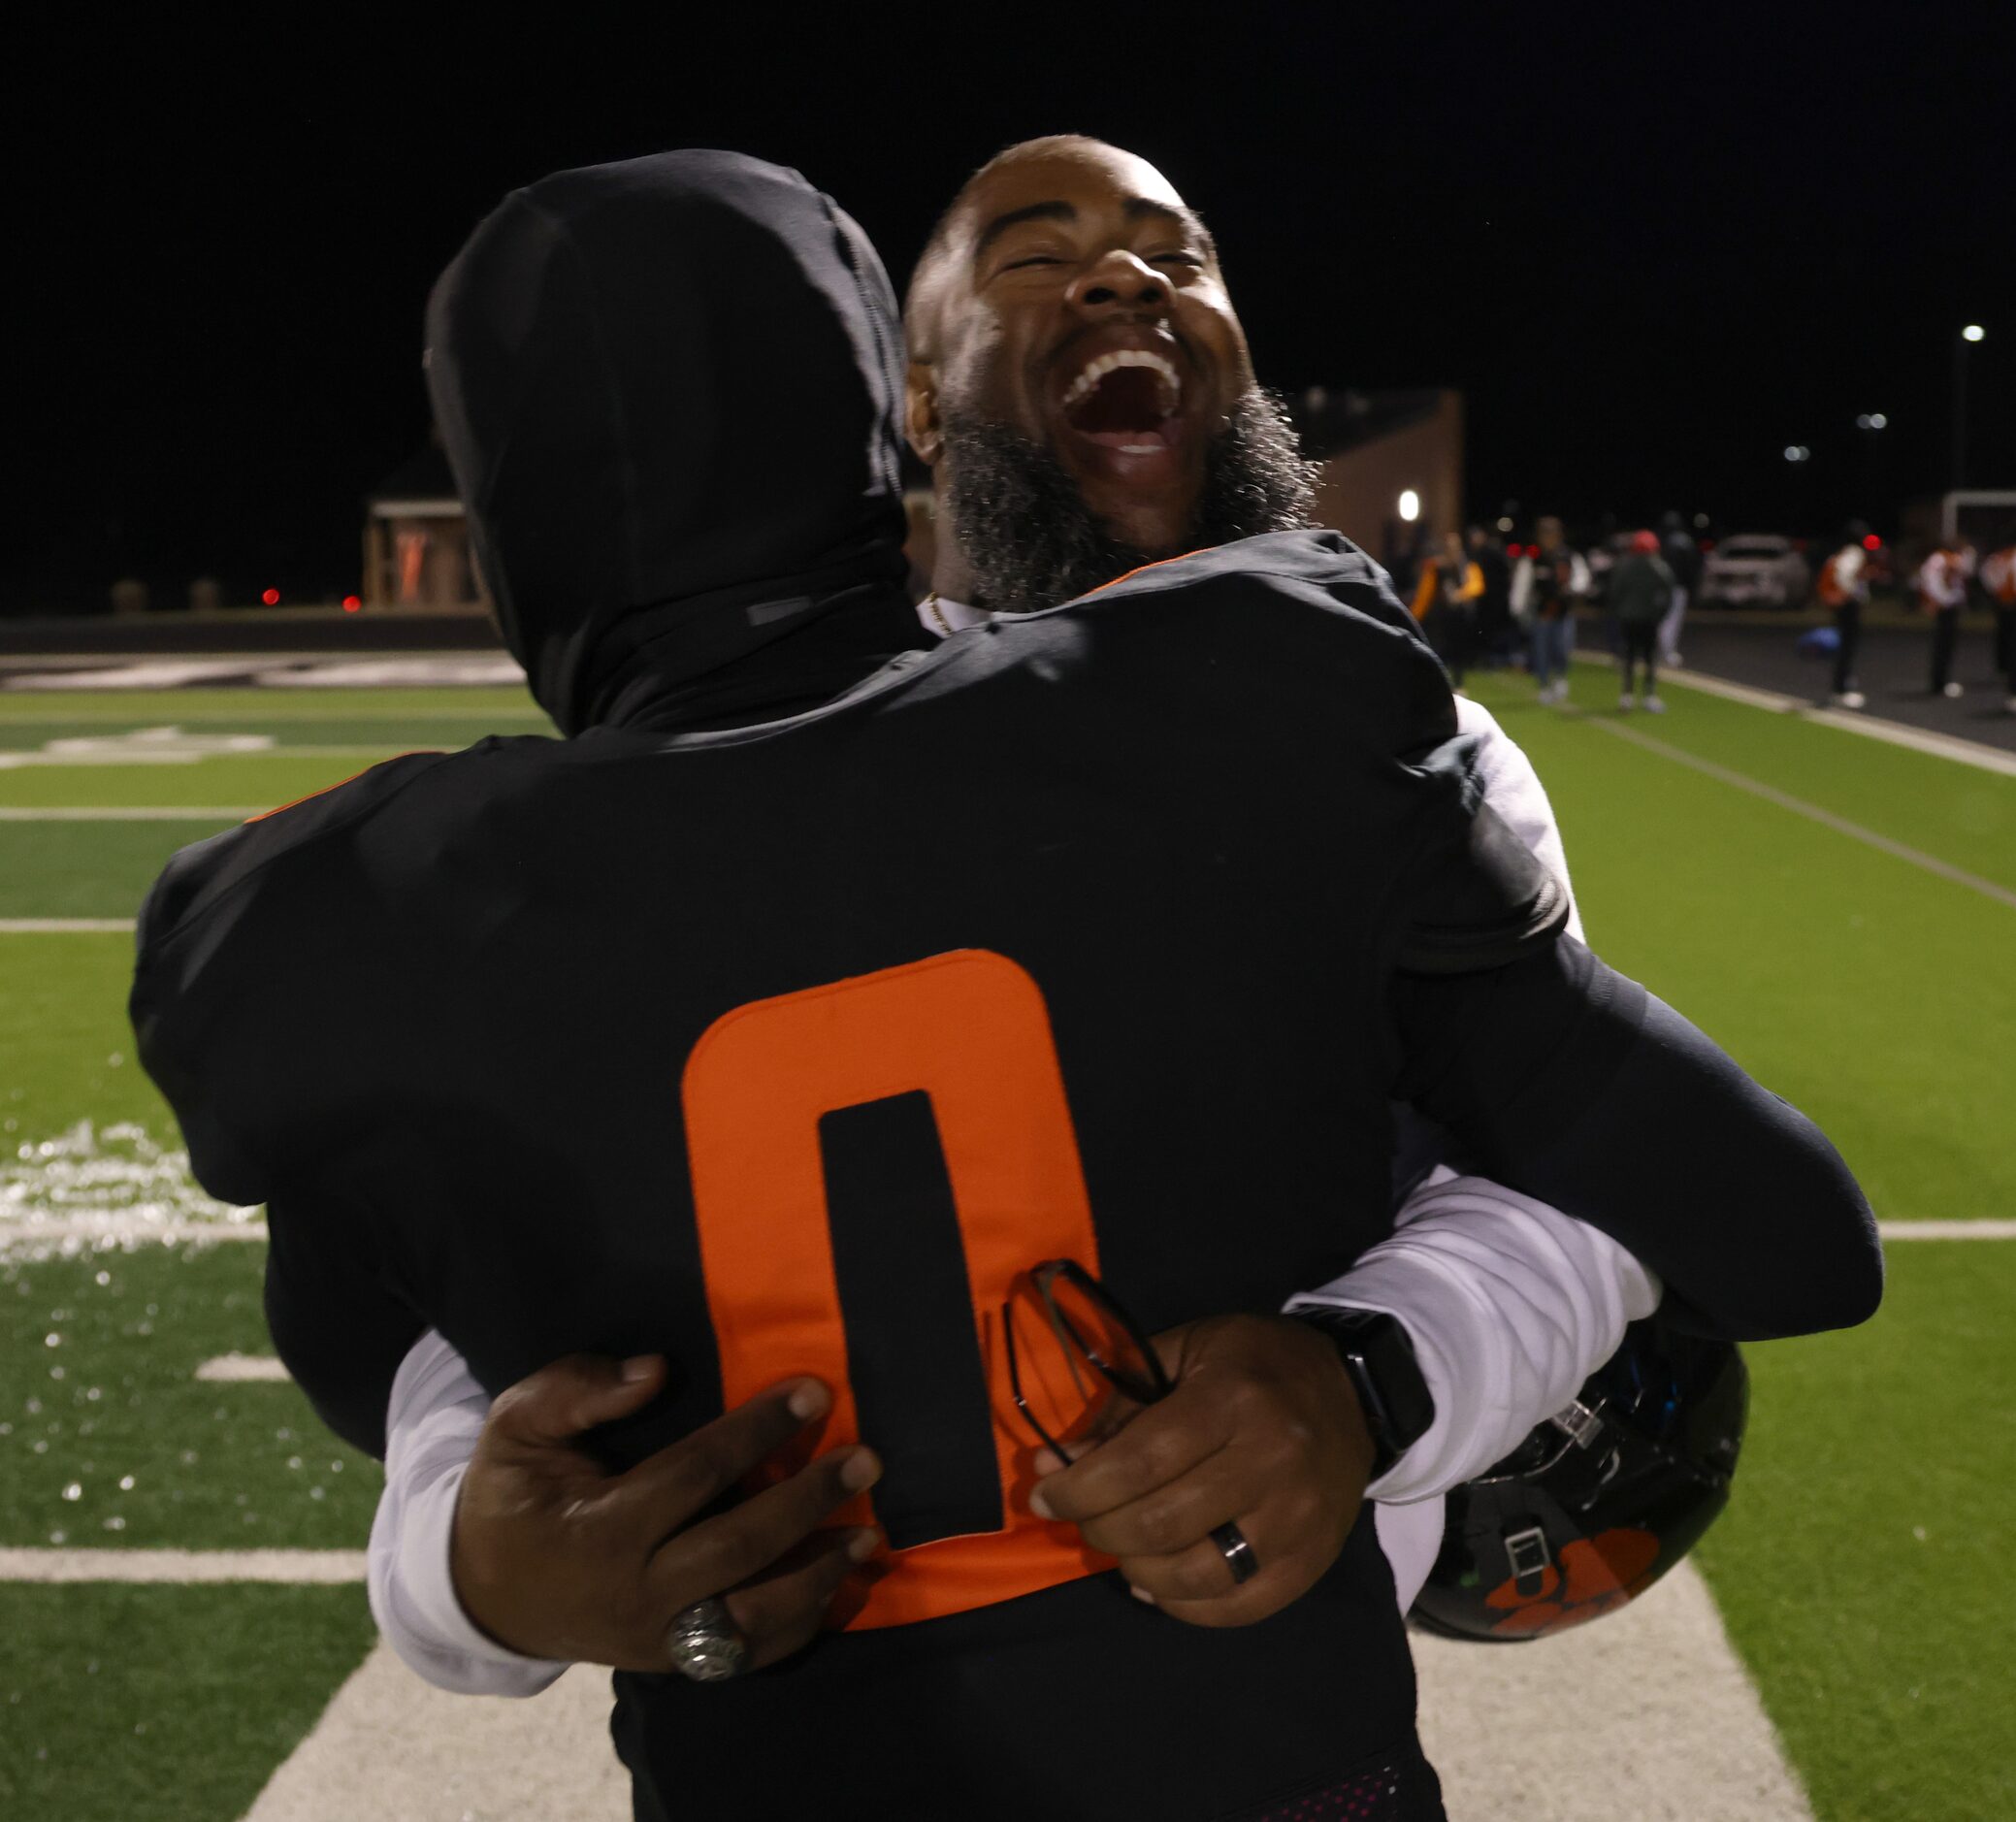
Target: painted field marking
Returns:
[[63, 926], [1948, 1230], [1677, 1736], [110, 1231], [393, 1745], [154, 814], [236, 1369], [1799, 806], [182, 1566], [1976, 753]]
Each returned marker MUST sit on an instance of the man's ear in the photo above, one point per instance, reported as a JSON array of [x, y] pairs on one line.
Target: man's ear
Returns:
[[921, 412]]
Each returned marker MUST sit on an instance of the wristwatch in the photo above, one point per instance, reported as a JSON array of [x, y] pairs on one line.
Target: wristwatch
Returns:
[[1378, 1354]]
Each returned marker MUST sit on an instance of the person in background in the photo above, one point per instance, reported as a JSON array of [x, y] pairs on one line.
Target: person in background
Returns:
[[1942, 593], [1494, 623], [1546, 590], [1843, 590], [1444, 602], [1998, 579], [1641, 591], [1684, 558]]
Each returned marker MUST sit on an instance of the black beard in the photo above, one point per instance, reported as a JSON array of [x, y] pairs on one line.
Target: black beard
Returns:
[[1033, 541]]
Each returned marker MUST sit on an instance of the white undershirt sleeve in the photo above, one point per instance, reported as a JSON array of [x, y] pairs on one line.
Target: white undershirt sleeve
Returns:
[[433, 1424]]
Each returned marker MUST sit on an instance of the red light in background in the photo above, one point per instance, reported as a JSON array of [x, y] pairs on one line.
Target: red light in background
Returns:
[[271, 598], [351, 603], [1872, 543]]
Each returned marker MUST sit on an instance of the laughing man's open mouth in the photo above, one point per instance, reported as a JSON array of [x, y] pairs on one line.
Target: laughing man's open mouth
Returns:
[[1128, 400]]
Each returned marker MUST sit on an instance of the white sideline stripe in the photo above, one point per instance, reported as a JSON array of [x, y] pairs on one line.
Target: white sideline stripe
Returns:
[[393, 1747], [154, 814], [1799, 806], [1678, 1736], [1990, 759], [182, 1566], [62, 926], [242, 1368], [1946, 1230]]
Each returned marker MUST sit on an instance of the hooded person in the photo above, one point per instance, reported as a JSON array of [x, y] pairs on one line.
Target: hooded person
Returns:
[[786, 1017]]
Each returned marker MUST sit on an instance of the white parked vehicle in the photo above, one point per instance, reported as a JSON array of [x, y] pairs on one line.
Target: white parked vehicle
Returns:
[[1755, 570]]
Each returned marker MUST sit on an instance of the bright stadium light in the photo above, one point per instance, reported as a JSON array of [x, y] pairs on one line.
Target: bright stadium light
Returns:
[[1797, 452], [1504, 524], [1410, 505], [1974, 332], [1876, 420]]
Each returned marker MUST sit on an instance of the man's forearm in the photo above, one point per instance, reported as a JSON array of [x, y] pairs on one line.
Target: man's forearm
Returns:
[[434, 1421], [1509, 1304]]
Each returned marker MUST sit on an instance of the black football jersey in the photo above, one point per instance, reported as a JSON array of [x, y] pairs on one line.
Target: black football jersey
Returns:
[[783, 1049]]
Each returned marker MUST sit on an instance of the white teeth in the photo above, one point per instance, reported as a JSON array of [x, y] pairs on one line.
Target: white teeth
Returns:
[[1097, 368]]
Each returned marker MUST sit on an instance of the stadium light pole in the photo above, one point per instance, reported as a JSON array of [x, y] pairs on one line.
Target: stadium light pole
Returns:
[[1972, 334]]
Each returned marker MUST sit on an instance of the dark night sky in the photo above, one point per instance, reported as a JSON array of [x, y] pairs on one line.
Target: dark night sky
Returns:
[[1653, 247]]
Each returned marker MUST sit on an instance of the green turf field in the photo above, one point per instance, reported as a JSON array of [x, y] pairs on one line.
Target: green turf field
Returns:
[[1860, 1568]]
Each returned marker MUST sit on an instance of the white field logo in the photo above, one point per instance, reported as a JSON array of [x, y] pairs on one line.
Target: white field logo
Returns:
[[93, 1189]]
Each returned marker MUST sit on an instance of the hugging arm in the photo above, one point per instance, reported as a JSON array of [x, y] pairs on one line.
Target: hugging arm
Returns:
[[1565, 1079]]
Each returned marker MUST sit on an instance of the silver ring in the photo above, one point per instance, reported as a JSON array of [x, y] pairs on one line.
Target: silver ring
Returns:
[[703, 1643], [1237, 1551]]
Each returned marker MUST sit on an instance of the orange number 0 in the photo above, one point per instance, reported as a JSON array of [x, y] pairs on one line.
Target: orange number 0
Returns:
[[972, 1030]]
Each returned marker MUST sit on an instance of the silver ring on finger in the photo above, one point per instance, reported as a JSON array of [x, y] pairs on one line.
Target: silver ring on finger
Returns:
[[1237, 1551], [704, 1643]]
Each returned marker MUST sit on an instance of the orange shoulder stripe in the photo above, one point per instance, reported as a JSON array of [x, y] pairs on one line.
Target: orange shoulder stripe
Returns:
[[416, 753], [1142, 568]]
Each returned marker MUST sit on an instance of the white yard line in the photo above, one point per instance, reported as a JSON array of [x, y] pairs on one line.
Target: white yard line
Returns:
[[1948, 1230], [63, 926], [152, 814], [1799, 806], [177, 1567], [1976, 753], [242, 1369]]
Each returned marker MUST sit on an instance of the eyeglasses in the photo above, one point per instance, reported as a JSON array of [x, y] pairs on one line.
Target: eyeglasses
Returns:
[[1070, 1348]]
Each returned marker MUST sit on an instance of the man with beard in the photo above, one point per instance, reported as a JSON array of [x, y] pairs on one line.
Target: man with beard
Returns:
[[1066, 254], [723, 830]]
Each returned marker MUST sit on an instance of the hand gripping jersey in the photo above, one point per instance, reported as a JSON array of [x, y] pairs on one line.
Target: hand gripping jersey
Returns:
[[783, 1050]]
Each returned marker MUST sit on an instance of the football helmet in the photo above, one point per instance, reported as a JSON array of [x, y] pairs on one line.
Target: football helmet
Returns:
[[1599, 1500]]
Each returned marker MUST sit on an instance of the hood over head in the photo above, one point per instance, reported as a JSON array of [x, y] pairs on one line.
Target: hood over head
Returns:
[[669, 390]]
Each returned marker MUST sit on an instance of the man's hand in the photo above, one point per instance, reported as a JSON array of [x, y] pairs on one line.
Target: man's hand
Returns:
[[557, 1558], [1264, 1430]]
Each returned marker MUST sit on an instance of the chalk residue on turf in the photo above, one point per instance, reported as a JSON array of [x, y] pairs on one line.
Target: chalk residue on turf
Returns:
[[94, 1189]]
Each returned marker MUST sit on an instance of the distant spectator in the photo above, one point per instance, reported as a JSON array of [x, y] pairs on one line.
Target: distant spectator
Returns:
[[1444, 602], [1942, 593], [1843, 590], [1684, 558], [1998, 579], [1546, 590], [1641, 595], [1494, 624], [130, 597]]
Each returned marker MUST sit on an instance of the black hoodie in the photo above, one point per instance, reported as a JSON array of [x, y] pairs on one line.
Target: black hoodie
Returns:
[[559, 1046], [666, 473]]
